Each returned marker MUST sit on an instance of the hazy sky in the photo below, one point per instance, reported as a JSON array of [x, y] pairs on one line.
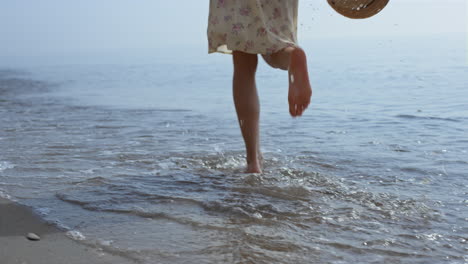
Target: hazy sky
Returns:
[[30, 27]]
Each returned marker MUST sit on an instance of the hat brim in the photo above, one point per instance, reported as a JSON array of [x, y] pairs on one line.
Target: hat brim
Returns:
[[358, 9]]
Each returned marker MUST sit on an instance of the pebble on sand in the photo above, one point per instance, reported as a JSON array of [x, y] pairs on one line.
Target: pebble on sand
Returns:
[[33, 237]]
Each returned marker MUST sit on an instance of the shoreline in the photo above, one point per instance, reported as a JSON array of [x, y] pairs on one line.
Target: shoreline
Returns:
[[54, 247]]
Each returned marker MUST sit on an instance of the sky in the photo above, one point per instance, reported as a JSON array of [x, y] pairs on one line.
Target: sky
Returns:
[[29, 27]]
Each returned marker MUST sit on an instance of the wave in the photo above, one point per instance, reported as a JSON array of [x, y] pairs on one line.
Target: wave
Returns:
[[190, 196], [428, 118], [12, 86]]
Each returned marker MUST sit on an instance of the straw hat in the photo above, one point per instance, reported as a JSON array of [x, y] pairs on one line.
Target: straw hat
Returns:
[[358, 8]]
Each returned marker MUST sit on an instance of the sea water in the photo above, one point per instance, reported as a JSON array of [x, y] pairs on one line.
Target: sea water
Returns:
[[144, 158]]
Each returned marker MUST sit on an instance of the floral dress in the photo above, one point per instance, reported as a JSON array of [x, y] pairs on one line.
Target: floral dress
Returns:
[[252, 26]]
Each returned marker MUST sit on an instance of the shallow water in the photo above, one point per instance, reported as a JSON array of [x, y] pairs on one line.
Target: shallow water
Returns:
[[146, 160]]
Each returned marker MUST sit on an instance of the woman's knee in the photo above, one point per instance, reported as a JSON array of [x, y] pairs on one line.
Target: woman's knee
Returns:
[[279, 59]]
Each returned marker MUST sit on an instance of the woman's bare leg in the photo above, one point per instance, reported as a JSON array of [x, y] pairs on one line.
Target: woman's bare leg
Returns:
[[294, 60], [247, 106]]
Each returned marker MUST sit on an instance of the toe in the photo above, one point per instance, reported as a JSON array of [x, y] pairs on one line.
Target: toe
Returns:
[[292, 107], [291, 103], [300, 111], [303, 108]]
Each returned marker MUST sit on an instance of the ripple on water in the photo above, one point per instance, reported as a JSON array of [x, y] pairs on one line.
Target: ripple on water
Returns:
[[340, 186], [414, 117], [286, 201]]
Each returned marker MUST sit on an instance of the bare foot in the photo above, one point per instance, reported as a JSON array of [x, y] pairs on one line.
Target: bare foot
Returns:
[[300, 90], [253, 167], [256, 165]]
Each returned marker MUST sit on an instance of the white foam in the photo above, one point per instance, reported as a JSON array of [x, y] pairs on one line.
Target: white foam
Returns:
[[232, 163], [43, 211], [6, 165], [432, 237], [75, 235], [105, 243], [88, 171], [166, 165], [257, 215], [4, 195]]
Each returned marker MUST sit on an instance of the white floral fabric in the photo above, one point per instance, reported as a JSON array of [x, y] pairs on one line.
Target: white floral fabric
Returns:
[[252, 26]]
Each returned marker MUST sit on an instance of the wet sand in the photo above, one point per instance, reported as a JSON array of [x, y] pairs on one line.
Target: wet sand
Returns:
[[16, 221]]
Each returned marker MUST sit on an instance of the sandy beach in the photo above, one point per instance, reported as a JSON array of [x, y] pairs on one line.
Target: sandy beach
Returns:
[[16, 221]]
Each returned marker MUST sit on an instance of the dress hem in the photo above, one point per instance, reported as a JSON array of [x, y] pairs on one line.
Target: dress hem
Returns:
[[226, 49]]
